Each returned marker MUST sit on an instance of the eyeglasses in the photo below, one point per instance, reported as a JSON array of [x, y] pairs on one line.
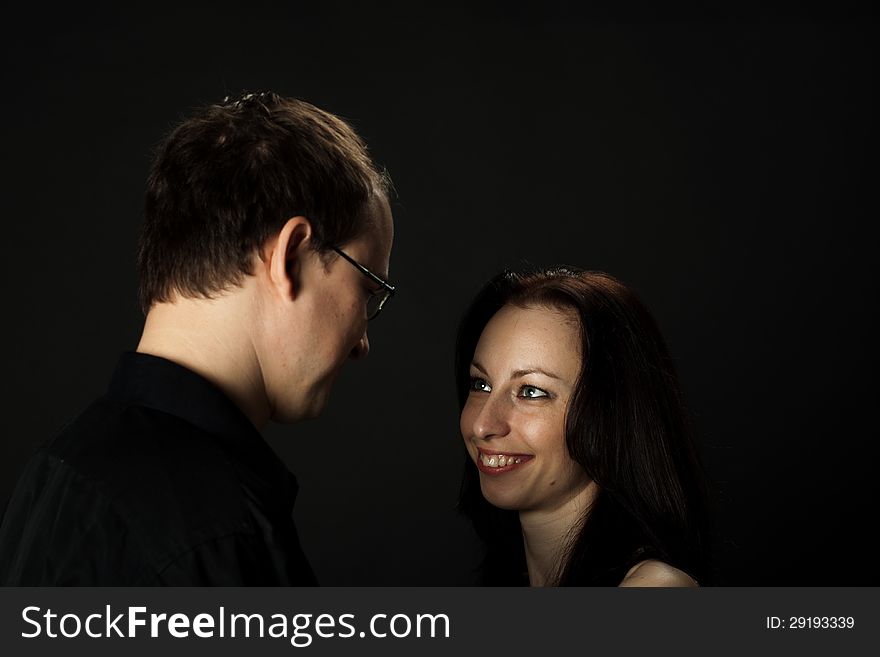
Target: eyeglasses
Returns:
[[377, 297]]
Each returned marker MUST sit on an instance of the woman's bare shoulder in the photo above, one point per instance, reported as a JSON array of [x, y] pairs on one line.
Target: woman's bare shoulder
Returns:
[[657, 573]]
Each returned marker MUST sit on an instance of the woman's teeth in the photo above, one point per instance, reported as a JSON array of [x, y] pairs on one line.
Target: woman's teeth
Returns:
[[499, 460]]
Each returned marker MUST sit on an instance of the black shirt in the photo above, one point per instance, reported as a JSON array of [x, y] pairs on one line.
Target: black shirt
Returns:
[[163, 481]]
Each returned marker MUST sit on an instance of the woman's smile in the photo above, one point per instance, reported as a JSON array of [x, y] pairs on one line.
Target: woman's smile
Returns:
[[496, 463]]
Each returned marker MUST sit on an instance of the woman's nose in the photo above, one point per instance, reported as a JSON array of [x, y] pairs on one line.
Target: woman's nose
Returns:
[[492, 419]]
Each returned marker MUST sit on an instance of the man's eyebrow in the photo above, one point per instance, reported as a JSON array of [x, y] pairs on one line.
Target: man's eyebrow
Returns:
[[376, 286], [381, 274]]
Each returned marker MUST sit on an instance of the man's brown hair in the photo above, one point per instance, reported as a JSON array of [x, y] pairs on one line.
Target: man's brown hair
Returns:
[[228, 178]]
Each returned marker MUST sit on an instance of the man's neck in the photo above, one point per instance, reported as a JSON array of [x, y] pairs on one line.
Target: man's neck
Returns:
[[211, 338], [546, 534]]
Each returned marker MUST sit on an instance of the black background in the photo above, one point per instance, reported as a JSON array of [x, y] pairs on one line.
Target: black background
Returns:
[[718, 163]]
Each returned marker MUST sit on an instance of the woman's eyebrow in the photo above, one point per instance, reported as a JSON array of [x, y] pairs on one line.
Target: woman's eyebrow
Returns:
[[520, 373], [533, 370], [476, 365]]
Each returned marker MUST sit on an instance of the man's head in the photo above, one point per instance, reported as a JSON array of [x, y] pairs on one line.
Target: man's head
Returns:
[[226, 180], [250, 200]]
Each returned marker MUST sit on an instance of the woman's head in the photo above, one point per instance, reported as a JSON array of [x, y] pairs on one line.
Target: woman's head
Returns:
[[524, 371], [618, 417]]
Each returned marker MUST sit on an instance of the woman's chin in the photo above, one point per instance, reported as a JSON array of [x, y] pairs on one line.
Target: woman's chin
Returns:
[[506, 500]]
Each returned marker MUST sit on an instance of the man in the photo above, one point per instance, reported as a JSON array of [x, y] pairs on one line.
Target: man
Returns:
[[265, 250]]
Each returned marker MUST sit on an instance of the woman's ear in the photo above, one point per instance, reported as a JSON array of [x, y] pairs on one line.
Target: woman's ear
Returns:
[[286, 254]]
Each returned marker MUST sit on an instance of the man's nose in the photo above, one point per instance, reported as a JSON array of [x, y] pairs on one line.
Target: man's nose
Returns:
[[361, 349], [492, 421]]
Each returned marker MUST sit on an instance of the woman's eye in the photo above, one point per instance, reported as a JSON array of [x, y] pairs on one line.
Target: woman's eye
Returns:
[[531, 392], [480, 385]]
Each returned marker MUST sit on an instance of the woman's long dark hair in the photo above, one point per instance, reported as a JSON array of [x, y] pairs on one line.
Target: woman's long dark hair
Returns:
[[626, 426]]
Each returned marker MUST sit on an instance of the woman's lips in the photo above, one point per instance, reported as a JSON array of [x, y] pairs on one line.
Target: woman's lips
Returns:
[[496, 463]]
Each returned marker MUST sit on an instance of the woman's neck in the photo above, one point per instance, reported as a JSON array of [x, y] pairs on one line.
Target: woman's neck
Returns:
[[546, 533]]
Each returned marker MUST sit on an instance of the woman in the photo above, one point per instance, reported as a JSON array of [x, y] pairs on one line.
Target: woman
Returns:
[[582, 469]]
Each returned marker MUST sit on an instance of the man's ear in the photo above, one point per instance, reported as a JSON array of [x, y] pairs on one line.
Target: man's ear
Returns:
[[286, 255]]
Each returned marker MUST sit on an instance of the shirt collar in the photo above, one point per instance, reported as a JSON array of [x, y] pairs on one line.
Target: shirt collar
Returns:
[[160, 384]]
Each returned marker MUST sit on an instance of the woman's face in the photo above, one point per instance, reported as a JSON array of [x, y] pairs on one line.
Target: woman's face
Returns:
[[523, 375]]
